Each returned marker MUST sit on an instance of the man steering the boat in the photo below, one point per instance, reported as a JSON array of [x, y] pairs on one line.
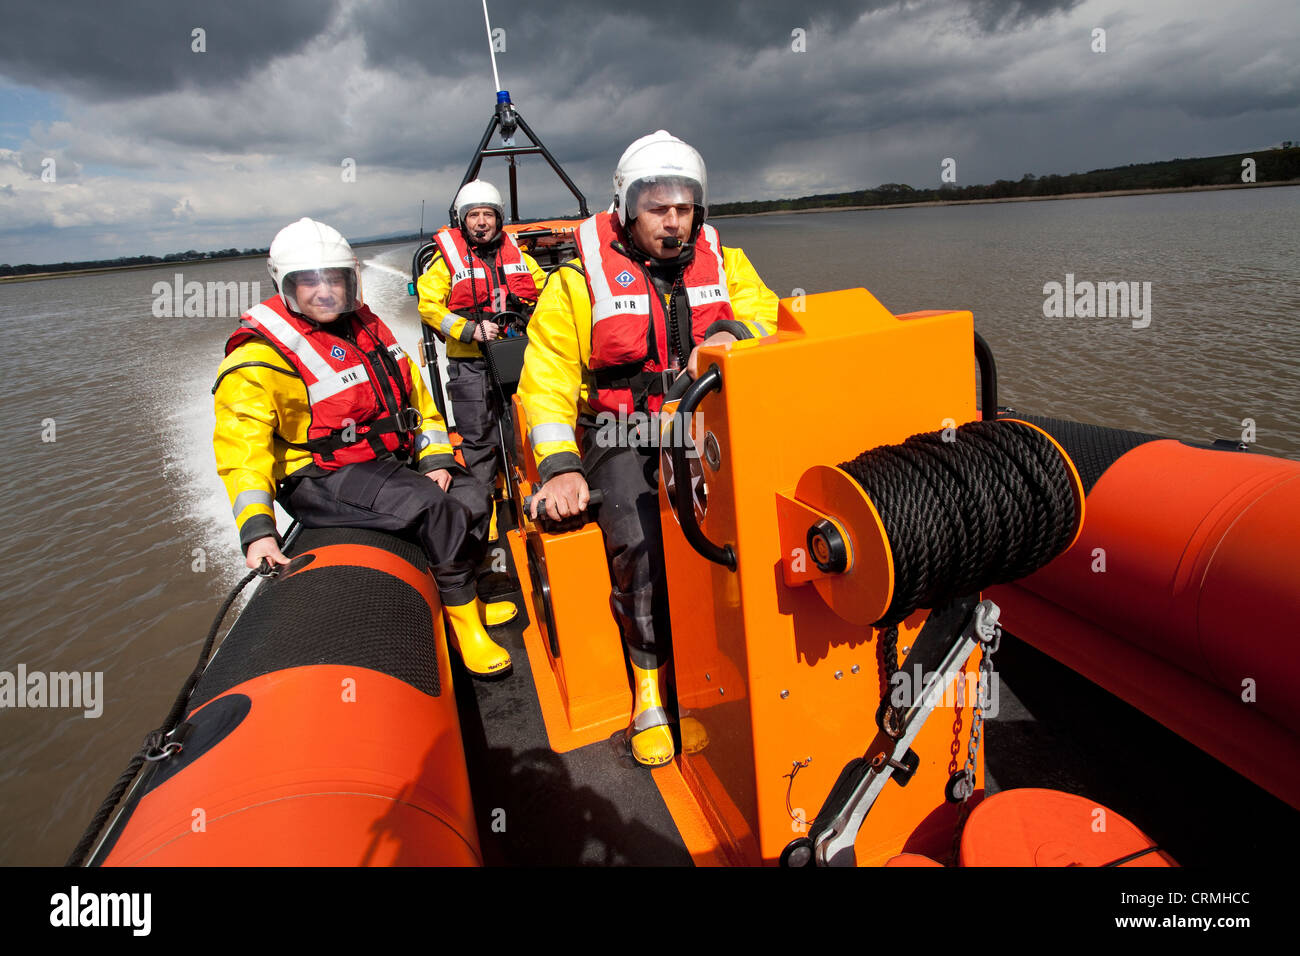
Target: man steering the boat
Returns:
[[478, 273], [318, 406], [652, 284]]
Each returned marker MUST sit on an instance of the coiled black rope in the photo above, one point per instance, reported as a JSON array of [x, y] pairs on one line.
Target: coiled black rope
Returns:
[[990, 505]]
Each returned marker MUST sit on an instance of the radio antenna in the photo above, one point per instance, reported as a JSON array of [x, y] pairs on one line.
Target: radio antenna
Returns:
[[491, 49]]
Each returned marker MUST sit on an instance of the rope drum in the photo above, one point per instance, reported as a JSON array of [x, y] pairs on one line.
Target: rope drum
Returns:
[[985, 505]]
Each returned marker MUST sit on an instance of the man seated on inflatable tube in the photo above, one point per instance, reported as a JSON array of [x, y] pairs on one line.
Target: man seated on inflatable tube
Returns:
[[651, 284], [318, 405]]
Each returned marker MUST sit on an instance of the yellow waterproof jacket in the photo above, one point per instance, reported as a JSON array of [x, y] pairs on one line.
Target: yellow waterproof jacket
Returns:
[[261, 405], [434, 289], [556, 378]]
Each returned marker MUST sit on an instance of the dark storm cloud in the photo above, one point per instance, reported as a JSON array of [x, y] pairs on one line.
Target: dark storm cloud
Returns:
[[990, 15], [251, 134], [589, 76], [105, 51], [584, 42], [680, 64], [581, 41]]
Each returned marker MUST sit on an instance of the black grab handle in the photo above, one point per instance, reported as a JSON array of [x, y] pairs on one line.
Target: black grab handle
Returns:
[[988, 379], [710, 381], [681, 384]]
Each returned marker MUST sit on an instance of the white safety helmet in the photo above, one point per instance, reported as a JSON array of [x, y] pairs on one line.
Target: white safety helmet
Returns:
[[660, 159], [311, 246], [476, 192]]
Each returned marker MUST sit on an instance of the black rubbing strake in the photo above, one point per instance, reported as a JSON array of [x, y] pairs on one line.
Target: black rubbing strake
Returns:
[[1092, 448], [346, 615], [990, 507]]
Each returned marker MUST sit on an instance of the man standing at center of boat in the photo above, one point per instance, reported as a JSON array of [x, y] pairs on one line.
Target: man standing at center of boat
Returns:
[[478, 272], [317, 404], [652, 283]]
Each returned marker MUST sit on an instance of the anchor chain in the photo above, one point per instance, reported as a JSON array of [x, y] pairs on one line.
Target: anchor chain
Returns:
[[962, 783]]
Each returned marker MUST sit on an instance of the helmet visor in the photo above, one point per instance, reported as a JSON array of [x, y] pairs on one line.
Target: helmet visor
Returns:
[[650, 192], [316, 292]]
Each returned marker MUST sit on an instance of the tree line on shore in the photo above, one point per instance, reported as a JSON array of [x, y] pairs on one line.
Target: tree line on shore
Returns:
[[1270, 165], [191, 255]]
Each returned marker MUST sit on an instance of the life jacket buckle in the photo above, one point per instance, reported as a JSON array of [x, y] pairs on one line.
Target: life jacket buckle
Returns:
[[410, 419]]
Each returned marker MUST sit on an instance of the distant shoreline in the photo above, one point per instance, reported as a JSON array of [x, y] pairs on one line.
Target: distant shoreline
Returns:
[[162, 265], [1105, 194]]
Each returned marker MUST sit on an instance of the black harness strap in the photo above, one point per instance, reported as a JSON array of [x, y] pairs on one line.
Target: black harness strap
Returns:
[[233, 368], [326, 445], [642, 384]]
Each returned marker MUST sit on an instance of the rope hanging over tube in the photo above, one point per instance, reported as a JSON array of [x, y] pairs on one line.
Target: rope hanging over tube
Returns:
[[990, 506]]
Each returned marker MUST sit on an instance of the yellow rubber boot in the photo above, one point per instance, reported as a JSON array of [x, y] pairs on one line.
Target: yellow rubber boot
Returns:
[[650, 737], [483, 656], [499, 612], [494, 534], [694, 737]]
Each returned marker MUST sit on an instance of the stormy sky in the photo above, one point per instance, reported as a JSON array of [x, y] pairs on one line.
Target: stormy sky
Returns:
[[156, 147]]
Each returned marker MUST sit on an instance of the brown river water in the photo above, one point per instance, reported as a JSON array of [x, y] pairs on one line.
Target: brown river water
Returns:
[[118, 544]]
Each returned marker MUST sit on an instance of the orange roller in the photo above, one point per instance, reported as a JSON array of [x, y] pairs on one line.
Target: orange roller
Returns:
[[912, 859], [1033, 827]]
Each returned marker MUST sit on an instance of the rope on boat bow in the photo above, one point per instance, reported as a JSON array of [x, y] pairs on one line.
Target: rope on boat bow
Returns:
[[964, 509]]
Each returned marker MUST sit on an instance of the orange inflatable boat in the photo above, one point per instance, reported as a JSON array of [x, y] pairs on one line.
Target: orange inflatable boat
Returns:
[[836, 611], [841, 561]]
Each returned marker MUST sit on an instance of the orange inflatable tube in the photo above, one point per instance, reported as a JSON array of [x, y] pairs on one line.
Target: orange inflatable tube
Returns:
[[323, 732], [1182, 594]]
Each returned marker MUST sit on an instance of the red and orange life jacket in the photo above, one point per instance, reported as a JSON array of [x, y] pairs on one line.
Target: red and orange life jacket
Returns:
[[471, 289], [629, 321], [359, 392]]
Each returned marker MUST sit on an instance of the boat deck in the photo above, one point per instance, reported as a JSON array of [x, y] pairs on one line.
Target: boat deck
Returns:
[[1053, 729], [585, 807]]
